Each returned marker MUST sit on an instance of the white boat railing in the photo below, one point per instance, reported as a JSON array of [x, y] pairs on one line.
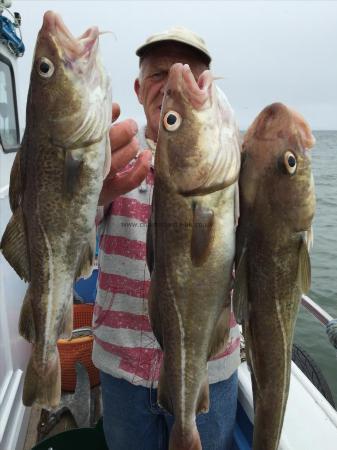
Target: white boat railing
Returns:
[[323, 317], [316, 310]]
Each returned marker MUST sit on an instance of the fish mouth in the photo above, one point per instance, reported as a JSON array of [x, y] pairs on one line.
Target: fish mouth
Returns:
[[73, 50], [197, 92]]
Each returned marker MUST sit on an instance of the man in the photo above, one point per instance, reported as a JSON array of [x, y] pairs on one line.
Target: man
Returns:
[[125, 350]]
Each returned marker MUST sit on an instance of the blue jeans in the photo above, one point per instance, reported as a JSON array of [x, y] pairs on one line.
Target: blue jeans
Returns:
[[133, 421]]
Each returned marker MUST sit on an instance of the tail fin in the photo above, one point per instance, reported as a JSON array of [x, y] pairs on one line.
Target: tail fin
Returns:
[[184, 439], [44, 390]]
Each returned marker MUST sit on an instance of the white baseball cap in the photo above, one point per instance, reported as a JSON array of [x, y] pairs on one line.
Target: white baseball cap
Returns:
[[177, 34]]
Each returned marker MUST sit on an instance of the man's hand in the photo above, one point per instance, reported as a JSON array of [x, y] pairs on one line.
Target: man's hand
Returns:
[[124, 147]]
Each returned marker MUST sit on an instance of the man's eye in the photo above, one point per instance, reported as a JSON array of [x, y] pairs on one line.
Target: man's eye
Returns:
[[158, 76]]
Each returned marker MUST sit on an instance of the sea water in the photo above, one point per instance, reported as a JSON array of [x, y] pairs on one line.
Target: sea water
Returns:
[[309, 334]]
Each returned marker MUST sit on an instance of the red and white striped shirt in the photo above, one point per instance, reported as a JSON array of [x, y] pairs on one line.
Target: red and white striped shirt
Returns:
[[124, 345]]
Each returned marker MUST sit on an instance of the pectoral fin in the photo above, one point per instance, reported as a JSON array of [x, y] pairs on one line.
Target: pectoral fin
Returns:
[[240, 295], [304, 268], [14, 245], [72, 169], [202, 234]]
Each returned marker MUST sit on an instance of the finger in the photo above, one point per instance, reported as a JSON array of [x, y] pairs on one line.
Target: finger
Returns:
[[121, 157], [127, 181], [115, 112], [122, 133], [132, 178], [143, 162]]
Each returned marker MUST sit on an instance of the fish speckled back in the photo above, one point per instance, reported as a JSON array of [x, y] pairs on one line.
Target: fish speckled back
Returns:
[[54, 188]]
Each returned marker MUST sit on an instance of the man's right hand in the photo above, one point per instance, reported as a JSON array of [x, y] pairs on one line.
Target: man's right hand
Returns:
[[124, 148]]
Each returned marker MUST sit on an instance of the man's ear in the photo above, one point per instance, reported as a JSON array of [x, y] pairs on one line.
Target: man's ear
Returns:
[[138, 90]]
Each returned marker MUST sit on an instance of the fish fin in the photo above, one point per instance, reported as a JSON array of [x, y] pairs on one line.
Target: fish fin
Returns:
[[203, 399], [202, 234], [249, 351], [87, 259], [67, 323], [184, 439], [14, 245], [44, 390], [150, 243], [107, 162], [254, 388], [236, 205], [72, 168], [164, 399], [240, 294], [221, 333], [26, 321], [149, 248], [15, 187], [154, 313], [304, 268], [309, 238]]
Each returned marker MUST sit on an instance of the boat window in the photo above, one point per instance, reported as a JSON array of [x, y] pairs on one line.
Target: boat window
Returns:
[[9, 126]]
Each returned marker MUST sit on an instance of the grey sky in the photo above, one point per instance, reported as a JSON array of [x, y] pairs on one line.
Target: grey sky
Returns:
[[265, 51]]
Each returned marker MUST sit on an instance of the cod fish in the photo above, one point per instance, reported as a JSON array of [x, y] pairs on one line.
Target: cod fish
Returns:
[[191, 242], [55, 182], [277, 204]]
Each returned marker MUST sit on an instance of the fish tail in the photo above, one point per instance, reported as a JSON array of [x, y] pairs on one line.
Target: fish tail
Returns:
[[45, 390], [184, 439]]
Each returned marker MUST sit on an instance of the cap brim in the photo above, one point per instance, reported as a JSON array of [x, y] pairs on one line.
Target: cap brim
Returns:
[[142, 49]]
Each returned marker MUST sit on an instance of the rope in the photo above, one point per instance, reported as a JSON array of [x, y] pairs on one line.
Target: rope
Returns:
[[16, 24]]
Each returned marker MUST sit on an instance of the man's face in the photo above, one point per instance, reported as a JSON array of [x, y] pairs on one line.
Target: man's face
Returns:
[[154, 71]]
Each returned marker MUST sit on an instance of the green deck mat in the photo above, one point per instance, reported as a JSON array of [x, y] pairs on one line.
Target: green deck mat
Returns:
[[78, 439]]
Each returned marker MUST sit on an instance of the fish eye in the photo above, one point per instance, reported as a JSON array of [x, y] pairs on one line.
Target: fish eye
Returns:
[[172, 120], [290, 162], [45, 67]]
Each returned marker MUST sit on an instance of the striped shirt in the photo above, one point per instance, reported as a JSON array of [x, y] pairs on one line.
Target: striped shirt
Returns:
[[124, 345]]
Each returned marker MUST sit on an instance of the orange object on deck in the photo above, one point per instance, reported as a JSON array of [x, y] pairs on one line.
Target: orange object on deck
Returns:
[[77, 349]]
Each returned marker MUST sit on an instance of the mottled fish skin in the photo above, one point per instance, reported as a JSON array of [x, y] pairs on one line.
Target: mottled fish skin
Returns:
[[60, 167], [191, 244], [277, 204]]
